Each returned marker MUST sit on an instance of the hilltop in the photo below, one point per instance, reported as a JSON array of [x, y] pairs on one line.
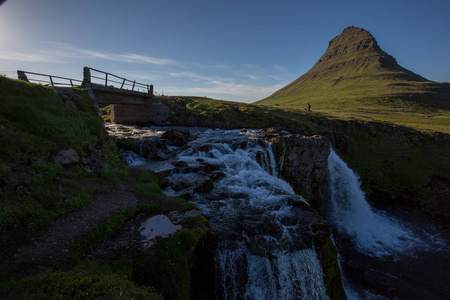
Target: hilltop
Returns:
[[355, 78]]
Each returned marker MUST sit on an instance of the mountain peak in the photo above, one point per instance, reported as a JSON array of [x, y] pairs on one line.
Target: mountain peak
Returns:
[[356, 51], [355, 72], [352, 39]]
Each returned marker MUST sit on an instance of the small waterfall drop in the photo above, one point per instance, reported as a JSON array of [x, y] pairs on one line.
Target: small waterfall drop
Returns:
[[374, 232], [265, 250]]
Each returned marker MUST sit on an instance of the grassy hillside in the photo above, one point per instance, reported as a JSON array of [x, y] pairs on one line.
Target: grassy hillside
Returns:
[[197, 111], [36, 194], [355, 79]]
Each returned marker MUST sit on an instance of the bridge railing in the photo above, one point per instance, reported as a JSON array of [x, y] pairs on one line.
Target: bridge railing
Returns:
[[48, 80], [109, 79]]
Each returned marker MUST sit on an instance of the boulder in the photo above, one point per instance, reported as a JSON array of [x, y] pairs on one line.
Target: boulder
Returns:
[[154, 150], [66, 157], [178, 137], [91, 164]]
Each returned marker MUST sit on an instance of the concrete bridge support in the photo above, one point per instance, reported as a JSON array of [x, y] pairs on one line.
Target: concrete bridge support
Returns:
[[128, 106], [154, 113]]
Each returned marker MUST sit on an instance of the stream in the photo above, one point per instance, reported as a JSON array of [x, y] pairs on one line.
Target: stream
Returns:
[[264, 250]]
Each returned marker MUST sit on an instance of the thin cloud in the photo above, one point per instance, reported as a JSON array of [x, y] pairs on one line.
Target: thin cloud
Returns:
[[240, 92], [190, 75], [24, 57], [62, 53], [126, 57], [39, 57]]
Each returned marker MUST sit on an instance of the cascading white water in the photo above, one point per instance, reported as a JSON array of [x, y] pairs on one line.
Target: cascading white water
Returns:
[[292, 275], [262, 254], [373, 231]]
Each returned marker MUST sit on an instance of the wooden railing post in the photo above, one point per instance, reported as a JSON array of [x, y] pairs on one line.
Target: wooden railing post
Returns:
[[51, 81], [86, 76], [106, 80], [21, 75], [134, 82], [122, 83]]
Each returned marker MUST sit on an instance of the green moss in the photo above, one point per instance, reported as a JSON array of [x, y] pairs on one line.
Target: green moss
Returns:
[[168, 269], [328, 257]]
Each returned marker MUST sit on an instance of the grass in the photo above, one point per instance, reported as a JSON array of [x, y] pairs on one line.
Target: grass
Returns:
[[366, 84], [194, 111], [34, 125], [397, 166]]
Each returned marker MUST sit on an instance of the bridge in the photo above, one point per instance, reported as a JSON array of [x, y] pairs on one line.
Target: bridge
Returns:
[[131, 102]]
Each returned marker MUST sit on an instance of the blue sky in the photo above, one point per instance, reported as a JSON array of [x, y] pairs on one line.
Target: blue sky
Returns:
[[231, 50]]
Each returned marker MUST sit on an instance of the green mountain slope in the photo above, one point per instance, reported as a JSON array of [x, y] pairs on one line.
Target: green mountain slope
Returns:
[[356, 78]]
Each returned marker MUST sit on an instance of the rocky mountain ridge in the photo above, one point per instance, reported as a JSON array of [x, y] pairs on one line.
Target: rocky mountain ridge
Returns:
[[355, 74]]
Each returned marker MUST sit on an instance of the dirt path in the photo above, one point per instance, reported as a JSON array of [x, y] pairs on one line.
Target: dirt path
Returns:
[[50, 244]]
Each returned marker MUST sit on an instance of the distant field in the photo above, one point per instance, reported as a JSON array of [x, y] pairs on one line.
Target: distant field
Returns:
[[438, 122]]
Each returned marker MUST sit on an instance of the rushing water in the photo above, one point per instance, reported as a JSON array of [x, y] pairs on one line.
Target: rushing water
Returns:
[[373, 231], [262, 251]]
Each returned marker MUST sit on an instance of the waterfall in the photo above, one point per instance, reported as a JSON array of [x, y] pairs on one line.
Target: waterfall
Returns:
[[264, 250], [373, 231], [293, 275]]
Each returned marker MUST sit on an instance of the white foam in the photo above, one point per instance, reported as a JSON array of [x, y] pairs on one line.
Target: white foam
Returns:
[[373, 231]]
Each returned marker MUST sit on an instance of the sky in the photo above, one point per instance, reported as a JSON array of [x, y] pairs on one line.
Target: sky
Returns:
[[239, 50]]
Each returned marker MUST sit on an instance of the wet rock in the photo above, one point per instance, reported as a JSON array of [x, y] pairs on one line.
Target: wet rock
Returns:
[[216, 175], [66, 157], [179, 164], [302, 161], [204, 269], [129, 144], [178, 185], [177, 217], [178, 137], [204, 186], [206, 169], [154, 150]]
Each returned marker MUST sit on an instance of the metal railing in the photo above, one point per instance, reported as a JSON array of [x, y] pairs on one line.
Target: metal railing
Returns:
[[51, 81], [109, 79]]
